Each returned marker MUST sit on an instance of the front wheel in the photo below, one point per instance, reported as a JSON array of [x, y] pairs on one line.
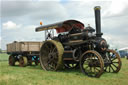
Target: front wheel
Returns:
[[114, 65], [92, 64]]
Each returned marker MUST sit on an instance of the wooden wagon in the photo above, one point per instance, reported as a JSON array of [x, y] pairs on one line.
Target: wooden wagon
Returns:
[[23, 52]]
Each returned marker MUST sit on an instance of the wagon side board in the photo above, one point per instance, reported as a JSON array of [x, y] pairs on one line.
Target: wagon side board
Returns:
[[24, 47]]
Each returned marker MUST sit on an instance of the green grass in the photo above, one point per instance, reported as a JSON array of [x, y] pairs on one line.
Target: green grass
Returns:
[[34, 75], [3, 57]]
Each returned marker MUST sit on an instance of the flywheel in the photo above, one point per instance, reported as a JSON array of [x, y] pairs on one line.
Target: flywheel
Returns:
[[51, 55]]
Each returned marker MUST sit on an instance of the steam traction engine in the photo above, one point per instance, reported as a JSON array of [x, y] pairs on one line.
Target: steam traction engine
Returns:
[[78, 46]]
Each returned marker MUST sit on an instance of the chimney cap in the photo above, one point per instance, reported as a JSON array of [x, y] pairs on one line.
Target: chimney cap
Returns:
[[97, 8]]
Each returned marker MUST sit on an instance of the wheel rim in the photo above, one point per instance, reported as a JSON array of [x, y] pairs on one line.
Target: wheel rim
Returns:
[[51, 55], [115, 62], [91, 64]]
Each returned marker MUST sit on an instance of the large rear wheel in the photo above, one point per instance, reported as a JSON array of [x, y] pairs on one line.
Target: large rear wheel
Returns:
[[51, 55], [91, 64]]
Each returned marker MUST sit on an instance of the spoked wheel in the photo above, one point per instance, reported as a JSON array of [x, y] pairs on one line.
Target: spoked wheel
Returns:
[[114, 60], [11, 60], [71, 65], [23, 61], [91, 64], [51, 55]]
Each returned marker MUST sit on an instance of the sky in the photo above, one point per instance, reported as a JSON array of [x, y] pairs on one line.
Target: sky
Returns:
[[19, 18]]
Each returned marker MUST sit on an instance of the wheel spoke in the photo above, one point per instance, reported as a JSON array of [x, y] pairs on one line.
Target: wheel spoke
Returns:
[[105, 68], [86, 67], [113, 59], [109, 68], [115, 62], [112, 67], [53, 50], [49, 61], [95, 70]]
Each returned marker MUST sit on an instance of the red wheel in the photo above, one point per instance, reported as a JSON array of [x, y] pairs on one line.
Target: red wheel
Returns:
[[11, 60]]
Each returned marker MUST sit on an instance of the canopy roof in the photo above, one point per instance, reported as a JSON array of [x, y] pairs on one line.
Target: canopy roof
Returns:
[[62, 26]]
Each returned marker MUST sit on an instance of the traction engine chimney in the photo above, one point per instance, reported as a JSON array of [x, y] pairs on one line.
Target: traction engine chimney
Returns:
[[97, 21]]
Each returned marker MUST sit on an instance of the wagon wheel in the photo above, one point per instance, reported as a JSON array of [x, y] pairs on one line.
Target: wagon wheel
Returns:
[[11, 60], [36, 62], [115, 62], [51, 55], [29, 61], [72, 65], [23, 61], [91, 64]]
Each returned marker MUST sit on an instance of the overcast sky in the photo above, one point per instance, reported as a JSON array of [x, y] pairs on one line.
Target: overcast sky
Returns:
[[19, 18]]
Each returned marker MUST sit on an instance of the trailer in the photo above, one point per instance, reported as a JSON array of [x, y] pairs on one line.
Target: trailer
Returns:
[[24, 52]]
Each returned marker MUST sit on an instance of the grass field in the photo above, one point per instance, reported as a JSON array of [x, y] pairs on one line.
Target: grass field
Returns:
[[3, 57], [34, 75]]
